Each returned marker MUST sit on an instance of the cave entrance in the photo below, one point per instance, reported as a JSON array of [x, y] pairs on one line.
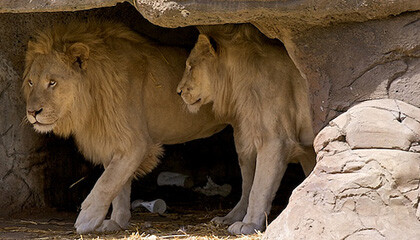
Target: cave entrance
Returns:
[[45, 178]]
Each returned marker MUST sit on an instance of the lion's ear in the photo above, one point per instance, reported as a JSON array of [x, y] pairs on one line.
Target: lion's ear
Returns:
[[31, 45], [79, 54], [205, 43]]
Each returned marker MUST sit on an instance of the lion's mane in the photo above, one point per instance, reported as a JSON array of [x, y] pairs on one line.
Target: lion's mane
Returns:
[[239, 90], [96, 116]]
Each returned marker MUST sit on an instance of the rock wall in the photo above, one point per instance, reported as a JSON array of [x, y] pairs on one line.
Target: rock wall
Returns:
[[20, 184], [354, 62], [366, 182]]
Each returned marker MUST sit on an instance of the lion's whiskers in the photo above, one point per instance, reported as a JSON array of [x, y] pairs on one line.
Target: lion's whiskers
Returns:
[[24, 121]]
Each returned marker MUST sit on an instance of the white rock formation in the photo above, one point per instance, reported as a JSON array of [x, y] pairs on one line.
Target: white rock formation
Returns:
[[366, 182]]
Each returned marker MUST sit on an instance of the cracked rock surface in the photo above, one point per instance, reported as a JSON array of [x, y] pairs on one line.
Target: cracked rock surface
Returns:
[[20, 181], [366, 181]]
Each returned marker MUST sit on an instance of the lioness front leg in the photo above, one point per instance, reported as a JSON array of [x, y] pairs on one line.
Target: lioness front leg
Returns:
[[247, 165], [121, 212], [96, 205], [270, 168]]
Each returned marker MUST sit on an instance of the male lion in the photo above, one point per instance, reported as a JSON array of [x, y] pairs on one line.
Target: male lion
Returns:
[[114, 92], [255, 87]]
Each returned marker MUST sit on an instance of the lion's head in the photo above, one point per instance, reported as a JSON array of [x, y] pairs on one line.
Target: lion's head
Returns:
[[195, 86], [51, 80]]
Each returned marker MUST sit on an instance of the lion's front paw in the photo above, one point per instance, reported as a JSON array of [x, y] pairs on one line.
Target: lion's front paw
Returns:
[[90, 218], [243, 228], [109, 226]]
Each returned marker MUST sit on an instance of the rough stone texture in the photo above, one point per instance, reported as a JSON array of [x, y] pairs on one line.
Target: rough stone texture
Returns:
[[366, 182], [353, 62], [295, 14], [19, 6], [302, 13], [20, 184]]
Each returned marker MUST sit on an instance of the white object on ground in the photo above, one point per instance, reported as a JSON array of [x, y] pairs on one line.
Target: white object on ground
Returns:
[[212, 189], [174, 179], [156, 206]]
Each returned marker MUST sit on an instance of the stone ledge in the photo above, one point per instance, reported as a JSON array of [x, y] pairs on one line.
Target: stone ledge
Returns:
[[25, 6]]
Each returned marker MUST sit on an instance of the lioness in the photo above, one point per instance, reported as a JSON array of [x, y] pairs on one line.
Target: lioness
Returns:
[[255, 87], [114, 92]]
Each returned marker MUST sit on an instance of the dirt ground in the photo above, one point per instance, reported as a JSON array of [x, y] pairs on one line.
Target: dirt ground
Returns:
[[176, 224]]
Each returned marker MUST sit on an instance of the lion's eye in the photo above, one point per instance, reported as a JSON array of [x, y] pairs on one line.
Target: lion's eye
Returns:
[[52, 83], [30, 83]]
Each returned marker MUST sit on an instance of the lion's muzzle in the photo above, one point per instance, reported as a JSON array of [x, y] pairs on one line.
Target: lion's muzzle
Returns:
[[31, 114]]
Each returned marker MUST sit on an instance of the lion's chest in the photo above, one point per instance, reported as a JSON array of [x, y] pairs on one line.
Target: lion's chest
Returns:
[[95, 149]]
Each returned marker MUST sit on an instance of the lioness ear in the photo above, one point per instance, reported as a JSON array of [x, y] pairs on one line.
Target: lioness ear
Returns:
[[79, 54], [31, 45], [205, 43]]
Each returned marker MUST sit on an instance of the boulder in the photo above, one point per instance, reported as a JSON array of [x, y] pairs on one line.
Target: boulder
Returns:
[[366, 181]]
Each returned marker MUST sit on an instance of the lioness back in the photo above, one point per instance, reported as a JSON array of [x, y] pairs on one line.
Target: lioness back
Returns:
[[168, 119]]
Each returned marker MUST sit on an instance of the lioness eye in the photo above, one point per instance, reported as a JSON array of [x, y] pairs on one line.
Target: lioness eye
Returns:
[[52, 83], [30, 83]]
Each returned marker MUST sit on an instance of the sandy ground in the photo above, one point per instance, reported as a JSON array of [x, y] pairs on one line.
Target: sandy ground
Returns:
[[182, 224]]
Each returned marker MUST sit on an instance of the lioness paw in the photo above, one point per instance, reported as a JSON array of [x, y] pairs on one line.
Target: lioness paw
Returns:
[[109, 226], [243, 228]]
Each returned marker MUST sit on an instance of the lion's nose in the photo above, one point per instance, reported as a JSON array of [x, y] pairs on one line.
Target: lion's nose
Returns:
[[34, 113], [179, 92]]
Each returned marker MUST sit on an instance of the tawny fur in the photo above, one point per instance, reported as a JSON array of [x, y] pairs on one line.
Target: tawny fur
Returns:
[[114, 91], [255, 87]]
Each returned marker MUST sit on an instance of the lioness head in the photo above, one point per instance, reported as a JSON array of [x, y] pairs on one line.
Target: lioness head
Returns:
[[51, 80], [195, 86]]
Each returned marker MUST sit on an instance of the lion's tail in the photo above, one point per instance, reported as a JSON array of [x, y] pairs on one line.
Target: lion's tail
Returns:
[[150, 161]]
